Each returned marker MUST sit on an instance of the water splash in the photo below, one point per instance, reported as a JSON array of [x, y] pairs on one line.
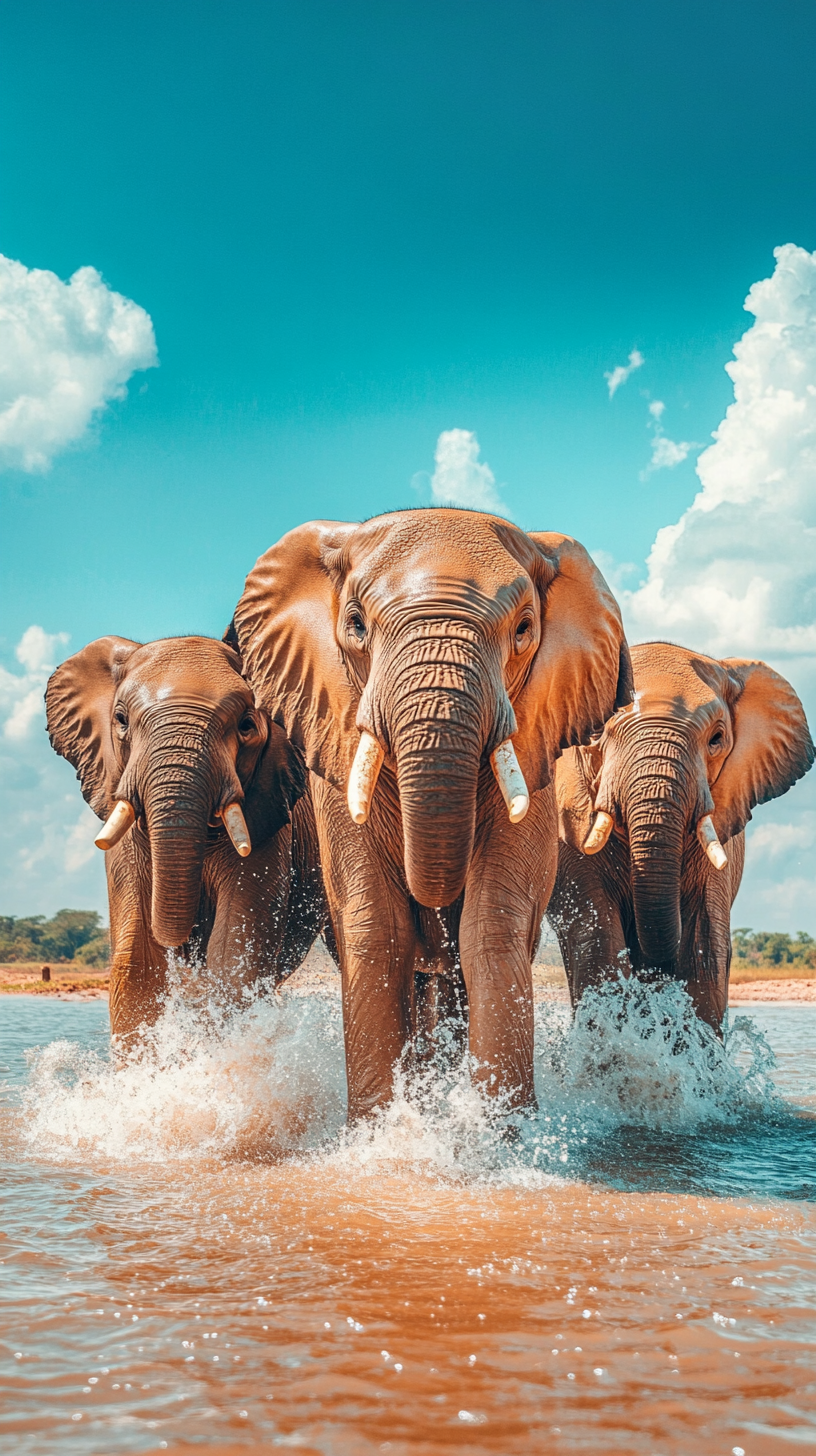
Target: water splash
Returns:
[[266, 1080], [638, 1054], [257, 1081]]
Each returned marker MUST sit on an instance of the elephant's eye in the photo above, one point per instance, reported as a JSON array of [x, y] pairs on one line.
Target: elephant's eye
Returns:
[[357, 626], [247, 727], [716, 741], [524, 633], [120, 718]]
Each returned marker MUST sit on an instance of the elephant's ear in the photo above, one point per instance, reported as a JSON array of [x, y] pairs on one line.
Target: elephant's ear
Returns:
[[276, 785], [582, 671], [772, 744], [284, 627], [78, 702]]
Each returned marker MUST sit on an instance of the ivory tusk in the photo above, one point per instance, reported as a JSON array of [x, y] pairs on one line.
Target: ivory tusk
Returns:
[[599, 833], [235, 825], [510, 780], [362, 780], [707, 835], [116, 826]]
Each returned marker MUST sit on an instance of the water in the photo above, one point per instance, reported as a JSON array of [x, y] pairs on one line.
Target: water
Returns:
[[196, 1253]]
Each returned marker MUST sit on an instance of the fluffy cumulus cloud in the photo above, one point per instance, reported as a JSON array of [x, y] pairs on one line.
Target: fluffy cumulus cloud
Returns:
[[66, 350], [618, 376], [736, 575], [46, 831], [460, 477]]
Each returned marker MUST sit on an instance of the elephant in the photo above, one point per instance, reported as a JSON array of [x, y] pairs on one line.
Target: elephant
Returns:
[[210, 838], [431, 664], [652, 817]]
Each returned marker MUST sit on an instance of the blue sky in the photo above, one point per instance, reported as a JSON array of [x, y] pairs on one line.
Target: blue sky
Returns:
[[355, 227]]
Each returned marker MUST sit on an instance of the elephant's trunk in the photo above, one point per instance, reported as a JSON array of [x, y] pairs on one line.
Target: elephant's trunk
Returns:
[[177, 797], [655, 801], [443, 719]]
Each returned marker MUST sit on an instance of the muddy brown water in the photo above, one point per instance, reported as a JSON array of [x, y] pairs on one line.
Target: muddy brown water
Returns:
[[197, 1255]]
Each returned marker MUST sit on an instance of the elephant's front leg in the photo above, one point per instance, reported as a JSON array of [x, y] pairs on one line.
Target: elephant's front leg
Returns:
[[376, 941], [584, 911], [506, 895], [251, 905]]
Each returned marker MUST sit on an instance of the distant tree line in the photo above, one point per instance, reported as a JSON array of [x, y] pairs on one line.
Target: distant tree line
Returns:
[[70, 935], [78, 935], [773, 947]]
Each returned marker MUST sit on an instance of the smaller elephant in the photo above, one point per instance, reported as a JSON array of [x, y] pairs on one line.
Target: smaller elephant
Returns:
[[211, 844], [652, 817]]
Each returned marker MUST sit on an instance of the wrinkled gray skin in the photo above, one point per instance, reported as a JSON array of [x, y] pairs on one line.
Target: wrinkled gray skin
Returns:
[[703, 737]]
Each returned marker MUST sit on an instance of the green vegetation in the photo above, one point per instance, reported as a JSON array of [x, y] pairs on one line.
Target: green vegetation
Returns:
[[70, 935], [773, 947]]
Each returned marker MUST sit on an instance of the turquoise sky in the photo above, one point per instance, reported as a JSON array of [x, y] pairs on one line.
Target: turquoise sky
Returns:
[[357, 225]]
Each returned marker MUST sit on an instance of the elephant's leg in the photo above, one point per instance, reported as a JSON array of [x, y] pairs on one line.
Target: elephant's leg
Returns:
[[438, 1008], [506, 894], [138, 972], [586, 917], [376, 943], [251, 898], [308, 914], [440, 1001]]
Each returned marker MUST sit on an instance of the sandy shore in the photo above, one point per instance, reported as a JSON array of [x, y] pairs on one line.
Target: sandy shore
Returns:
[[801, 989], [76, 982]]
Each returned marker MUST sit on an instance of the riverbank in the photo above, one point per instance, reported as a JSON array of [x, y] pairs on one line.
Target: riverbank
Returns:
[[76, 982], [70, 981]]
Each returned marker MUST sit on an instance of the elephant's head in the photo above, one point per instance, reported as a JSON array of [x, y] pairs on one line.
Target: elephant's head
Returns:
[[168, 734], [431, 638], [679, 772]]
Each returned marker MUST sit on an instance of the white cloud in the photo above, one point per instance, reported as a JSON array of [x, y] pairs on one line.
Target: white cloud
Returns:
[[618, 376], [666, 453], [460, 477], [21, 694], [772, 841], [735, 576], [66, 349], [47, 856]]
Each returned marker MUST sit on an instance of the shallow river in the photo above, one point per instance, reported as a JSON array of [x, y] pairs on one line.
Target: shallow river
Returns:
[[195, 1254]]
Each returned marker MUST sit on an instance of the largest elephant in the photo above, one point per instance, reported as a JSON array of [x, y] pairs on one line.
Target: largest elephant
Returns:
[[399, 656]]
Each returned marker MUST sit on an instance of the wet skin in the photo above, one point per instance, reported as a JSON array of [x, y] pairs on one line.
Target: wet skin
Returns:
[[703, 737], [441, 633], [171, 728]]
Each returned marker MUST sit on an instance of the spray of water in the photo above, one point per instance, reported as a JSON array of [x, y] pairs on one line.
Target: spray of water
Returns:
[[260, 1080], [266, 1080]]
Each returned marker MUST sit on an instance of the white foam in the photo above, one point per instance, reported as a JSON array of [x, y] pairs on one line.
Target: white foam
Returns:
[[267, 1080], [261, 1081]]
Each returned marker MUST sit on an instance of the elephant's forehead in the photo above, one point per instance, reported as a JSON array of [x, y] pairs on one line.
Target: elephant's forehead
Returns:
[[674, 694], [675, 681], [182, 667], [420, 553]]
